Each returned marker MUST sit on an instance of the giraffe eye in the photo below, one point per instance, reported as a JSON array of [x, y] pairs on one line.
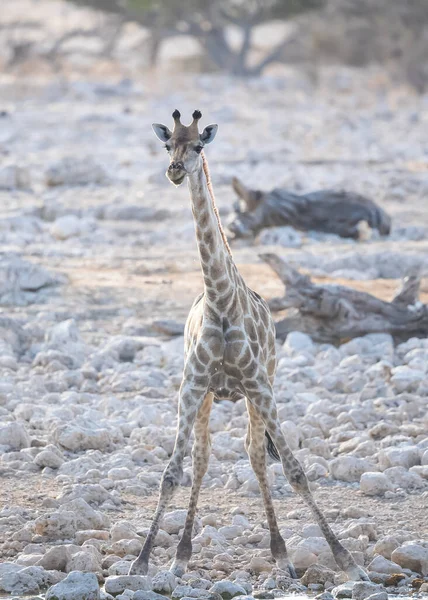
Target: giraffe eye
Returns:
[[167, 147], [198, 149]]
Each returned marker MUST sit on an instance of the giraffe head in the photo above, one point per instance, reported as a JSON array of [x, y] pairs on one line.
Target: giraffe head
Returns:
[[184, 145]]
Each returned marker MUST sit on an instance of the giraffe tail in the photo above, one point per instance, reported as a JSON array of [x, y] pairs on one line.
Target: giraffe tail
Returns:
[[271, 448]]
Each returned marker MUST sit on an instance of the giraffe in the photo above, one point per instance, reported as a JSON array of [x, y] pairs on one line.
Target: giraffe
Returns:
[[229, 353]]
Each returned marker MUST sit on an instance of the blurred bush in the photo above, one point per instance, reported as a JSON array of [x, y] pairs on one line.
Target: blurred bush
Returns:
[[392, 33]]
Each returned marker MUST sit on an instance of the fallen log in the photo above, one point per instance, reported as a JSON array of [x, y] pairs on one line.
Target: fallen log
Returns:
[[335, 313], [329, 211]]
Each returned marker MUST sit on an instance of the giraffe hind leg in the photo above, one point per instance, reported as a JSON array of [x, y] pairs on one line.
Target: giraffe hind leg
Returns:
[[256, 451], [263, 401]]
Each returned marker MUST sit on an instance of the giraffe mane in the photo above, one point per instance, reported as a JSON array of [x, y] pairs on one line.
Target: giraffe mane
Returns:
[[211, 192]]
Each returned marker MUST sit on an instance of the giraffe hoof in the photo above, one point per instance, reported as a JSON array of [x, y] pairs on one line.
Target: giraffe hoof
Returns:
[[138, 568], [292, 571], [287, 567]]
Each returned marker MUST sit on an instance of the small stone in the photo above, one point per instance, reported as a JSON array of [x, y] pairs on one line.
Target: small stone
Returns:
[[259, 564], [116, 584], [375, 484], [302, 558], [364, 589], [382, 565], [48, 458], [57, 526], [66, 227], [75, 171], [85, 562], [386, 546], [76, 586], [297, 342], [91, 534], [15, 436], [324, 596], [344, 590], [401, 477], [349, 468], [413, 557], [228, 589], [407, 456], [317, 574], [175, 520], [382, 595], [142, 595], [164, 582]]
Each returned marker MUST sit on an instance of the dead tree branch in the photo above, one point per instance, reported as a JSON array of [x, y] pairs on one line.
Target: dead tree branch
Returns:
[[335, 313]]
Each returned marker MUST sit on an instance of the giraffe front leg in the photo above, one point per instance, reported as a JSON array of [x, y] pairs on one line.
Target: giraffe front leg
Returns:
[[190, 402], [200, 459], [263, 401]]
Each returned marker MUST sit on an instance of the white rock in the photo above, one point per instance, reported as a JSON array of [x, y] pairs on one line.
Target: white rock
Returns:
[[75, 171], [164, 582], [405, 379], [57, 525], [83, 561], [404, 456], [302, 559], [125, 547], [123, 530], [363, 589], [386, 546], [400, 477], [291, 433], [56, 558], [48, 458], [412, 556], [66, 227], [349, 468], [382, 565], [13, 176], [116, 584], [174, 521], [78, 437], [18, 580], [86, 516], [119, 473], [76, 586], [15, 436], [314, 545], [318, 574], [297, 342], [260, 564], [375, 484], [228, 589], [231, 532]]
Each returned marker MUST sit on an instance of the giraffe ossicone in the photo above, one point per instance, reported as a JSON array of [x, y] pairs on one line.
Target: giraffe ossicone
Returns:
[[229, 353]]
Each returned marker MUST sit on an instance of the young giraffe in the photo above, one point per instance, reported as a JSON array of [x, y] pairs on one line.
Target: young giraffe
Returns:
[[229, 353]]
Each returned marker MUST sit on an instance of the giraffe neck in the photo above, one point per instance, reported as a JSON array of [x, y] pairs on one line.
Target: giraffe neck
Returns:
[[217, 264]]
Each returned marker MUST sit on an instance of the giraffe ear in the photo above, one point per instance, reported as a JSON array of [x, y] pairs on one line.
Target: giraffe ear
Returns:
[[208, 134], [161, 131]]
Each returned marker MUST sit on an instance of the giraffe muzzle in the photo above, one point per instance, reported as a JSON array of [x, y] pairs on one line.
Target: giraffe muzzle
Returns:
[[176, 172]]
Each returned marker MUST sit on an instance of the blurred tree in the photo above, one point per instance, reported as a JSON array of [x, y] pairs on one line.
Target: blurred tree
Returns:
[[207, 21]]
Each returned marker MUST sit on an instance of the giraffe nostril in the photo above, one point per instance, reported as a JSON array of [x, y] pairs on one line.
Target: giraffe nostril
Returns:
[[176, 166]]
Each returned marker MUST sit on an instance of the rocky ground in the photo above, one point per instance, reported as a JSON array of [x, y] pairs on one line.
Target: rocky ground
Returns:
[[98, 269]]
